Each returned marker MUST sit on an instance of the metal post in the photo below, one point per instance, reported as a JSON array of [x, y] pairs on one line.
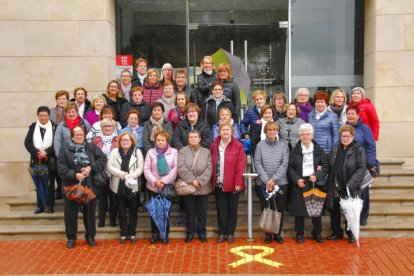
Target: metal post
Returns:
[[249, 177], [245, 55], [231, 47]]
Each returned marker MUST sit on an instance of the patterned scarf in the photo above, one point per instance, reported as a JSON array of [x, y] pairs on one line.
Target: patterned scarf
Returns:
[[156, 126], [80, 154], [107, 143]]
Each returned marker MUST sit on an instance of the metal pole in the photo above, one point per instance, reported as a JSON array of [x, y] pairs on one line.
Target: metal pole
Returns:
[[187, 39], [231, 46], [249, 177], [245, 55]]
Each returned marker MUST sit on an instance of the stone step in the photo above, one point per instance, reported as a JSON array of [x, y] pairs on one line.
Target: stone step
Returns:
[[391, 163], [396, 175], [402, 187], [391, 199]]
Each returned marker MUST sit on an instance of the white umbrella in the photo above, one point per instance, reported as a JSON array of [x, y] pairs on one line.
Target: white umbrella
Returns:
[[352, 207]]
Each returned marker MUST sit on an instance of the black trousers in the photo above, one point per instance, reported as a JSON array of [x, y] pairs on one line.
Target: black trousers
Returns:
[[365, 204], [154, 228], [105, 195], [336, 219], [50, 194], [280, 200], [195, 207], [126, 206], [316, 225], [71, 218], [226, 204]]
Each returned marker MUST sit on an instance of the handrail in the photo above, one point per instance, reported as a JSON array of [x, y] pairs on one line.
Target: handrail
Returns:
[[249, 177]]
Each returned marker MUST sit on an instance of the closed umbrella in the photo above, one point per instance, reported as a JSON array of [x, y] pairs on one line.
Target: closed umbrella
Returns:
[[314, 201], [159, 207], [352, 207]]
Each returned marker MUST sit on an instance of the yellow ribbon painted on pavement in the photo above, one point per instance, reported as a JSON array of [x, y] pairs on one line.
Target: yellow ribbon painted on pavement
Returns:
[[247, 258]]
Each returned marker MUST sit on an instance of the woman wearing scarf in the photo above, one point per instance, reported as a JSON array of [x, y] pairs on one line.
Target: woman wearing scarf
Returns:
[[308, 166], [80, 97], [214, 103], [77, 162], [279, 101], [337, 105], [177, 114], [97, 104], [107, 112], [133, 127], [106, 142], [225, 117], [289, 126], [230, 88], [257, 133], [125, 164], [229, 161], [57, 114], [114, 98], [271, 161], [39, 143], [152, 87], [168, 98], [156, 123], [206, 78], [160, 169], [302, 101]]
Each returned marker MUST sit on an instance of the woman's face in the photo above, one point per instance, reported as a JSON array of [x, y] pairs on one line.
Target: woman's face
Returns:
[[356, 96], [61, 101], [126, 142], [126, 78], [142, 68], [168, 91], [225, 133], [259, 100], [181, 80], [346, 138], [271, 133], [225, 117], [320, 105], [71, 114], [152, 78], [80, 96], [291, 112], [113, 90], [108, 129], [181, 101], [133, 120], [137, 97], [217, 91], [303, 97], [194, 139], [268, 115], [99, 103], [78, 137], [167, 73], [306, 136], [192, 115], [279, 102], [223, 75], [160, 141], [339, 99], [157, 113], [207, 64], [107, 115], [43, 117], [352, 117]]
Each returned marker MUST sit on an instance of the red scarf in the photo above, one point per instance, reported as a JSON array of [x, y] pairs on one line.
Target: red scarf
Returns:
[[70, 124]]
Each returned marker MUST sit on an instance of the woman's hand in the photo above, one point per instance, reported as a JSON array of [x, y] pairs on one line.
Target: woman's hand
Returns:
[[41, 154], [195, 183], [159, 184], [270, 185], [301, 183], [80, 176], [313, 178], [259, 122], [237, 188], [86, 171], [123, 175]]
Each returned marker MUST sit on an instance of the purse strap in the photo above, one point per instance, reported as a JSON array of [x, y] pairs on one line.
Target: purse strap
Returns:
[[195, 159]]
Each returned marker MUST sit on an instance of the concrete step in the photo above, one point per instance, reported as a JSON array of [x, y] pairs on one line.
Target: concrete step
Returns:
[[396, 175], [391, 199], [391, 163], [402, 187]]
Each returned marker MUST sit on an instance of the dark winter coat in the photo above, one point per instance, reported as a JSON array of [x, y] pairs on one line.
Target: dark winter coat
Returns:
[[298, 207], [147, 144], [190, 92], [28, 143], [87, 106], [204, 83], [143, 108], [231, 90], [210, 111], [116, 105], [180, 136], [249, 119], [363, 135]]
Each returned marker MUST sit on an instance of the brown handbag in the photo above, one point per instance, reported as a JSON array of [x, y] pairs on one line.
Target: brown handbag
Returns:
[[183, 188], [269, 221]]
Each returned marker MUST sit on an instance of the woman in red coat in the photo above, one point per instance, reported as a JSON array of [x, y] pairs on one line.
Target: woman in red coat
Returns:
[[229, 162], [367, 111]]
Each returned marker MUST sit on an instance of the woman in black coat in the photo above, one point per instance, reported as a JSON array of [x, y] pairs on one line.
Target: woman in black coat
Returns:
[[206, 78], [77, 162], [308, 166], [39, 143], [347, 170]]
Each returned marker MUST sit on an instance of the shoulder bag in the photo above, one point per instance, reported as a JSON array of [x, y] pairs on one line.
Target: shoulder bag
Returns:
[[183, 188], [269, 221]]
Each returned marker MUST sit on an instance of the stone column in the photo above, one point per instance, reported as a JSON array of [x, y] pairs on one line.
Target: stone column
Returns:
[[388, 73], [47, 46]]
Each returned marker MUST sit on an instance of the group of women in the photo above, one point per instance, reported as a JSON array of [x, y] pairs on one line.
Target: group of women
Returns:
[[141, 145]]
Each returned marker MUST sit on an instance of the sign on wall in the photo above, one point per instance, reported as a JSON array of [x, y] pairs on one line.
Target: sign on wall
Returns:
[[124, 62]]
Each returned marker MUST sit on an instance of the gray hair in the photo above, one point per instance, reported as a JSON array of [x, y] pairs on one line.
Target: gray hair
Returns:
[[306, 126], [302, 89], [166, 66], [361, 90], [105, 122]]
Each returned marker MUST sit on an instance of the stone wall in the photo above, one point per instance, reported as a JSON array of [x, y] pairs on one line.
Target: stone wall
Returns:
[[388, 73], [47, 46]]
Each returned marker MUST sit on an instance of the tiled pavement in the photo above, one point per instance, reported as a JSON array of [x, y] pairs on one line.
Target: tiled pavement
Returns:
[[376, 256]]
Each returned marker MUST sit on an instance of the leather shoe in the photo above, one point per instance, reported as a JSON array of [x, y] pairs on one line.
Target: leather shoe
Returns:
[[112, 223], [70, 244], [268, 238], [189, 238], [220, 239], [91, 241], [122, 240], [133, 239], [333, 237], [363, 222], [230, 238], [50, 210], [166, 240], [101, 223], [154, 238], [318, 239], [299, 238], [278, 238], [203, 238], [351, 239], [38, 210]]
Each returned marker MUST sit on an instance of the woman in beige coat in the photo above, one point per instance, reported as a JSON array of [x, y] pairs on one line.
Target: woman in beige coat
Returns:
[[126, 164], [196, 204]]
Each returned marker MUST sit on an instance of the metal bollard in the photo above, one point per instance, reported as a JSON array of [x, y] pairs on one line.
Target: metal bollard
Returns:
[[249, 177]]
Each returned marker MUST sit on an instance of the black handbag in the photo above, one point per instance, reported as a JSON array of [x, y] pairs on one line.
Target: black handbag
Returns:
[[51, 164], [169, 192], [101, 178]]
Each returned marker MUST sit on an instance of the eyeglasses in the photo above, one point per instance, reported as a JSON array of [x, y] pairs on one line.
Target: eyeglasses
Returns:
[[346, 136], [125, 140], [125, 76], [272, 129], [303, 95], [113, 86]]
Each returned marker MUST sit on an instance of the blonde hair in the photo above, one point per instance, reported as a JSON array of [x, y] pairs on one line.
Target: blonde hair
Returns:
[[259, 92], [99, 97], [336, 92]]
